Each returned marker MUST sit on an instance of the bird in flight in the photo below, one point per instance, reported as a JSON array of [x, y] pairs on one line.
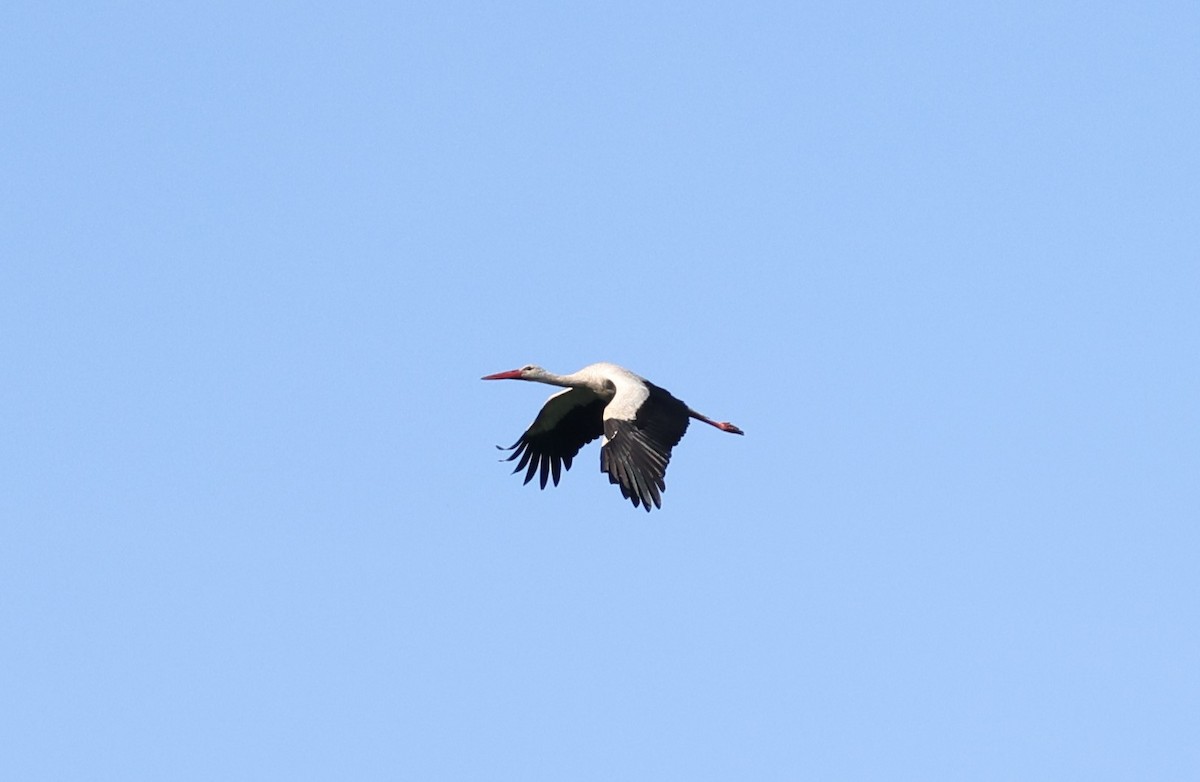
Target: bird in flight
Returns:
[[637, 422]]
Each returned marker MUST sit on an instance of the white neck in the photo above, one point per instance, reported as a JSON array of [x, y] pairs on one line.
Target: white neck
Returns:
[[573, 380]]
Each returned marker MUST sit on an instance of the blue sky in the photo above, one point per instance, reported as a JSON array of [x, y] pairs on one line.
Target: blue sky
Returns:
[[939, 260]]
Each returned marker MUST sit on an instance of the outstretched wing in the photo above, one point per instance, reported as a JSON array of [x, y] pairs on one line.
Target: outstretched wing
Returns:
[[638, 443], [568, 421]]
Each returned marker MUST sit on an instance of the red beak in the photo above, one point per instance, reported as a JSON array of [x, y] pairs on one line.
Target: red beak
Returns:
[[512, 374]]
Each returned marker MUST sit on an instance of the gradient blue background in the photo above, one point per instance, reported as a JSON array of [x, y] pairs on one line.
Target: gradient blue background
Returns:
[[940, 260]]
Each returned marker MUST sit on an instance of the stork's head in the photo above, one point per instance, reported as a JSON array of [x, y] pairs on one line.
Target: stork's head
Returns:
[[527, 372]]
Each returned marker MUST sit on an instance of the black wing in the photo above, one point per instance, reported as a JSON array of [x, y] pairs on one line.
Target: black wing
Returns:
[[637, 452], [568, 421]]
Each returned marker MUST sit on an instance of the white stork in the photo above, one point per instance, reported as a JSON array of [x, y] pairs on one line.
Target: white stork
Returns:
[[637, 422]]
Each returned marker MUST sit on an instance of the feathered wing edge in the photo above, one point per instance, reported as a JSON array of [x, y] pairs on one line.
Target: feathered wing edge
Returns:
[[567, 421], [637, 451]]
